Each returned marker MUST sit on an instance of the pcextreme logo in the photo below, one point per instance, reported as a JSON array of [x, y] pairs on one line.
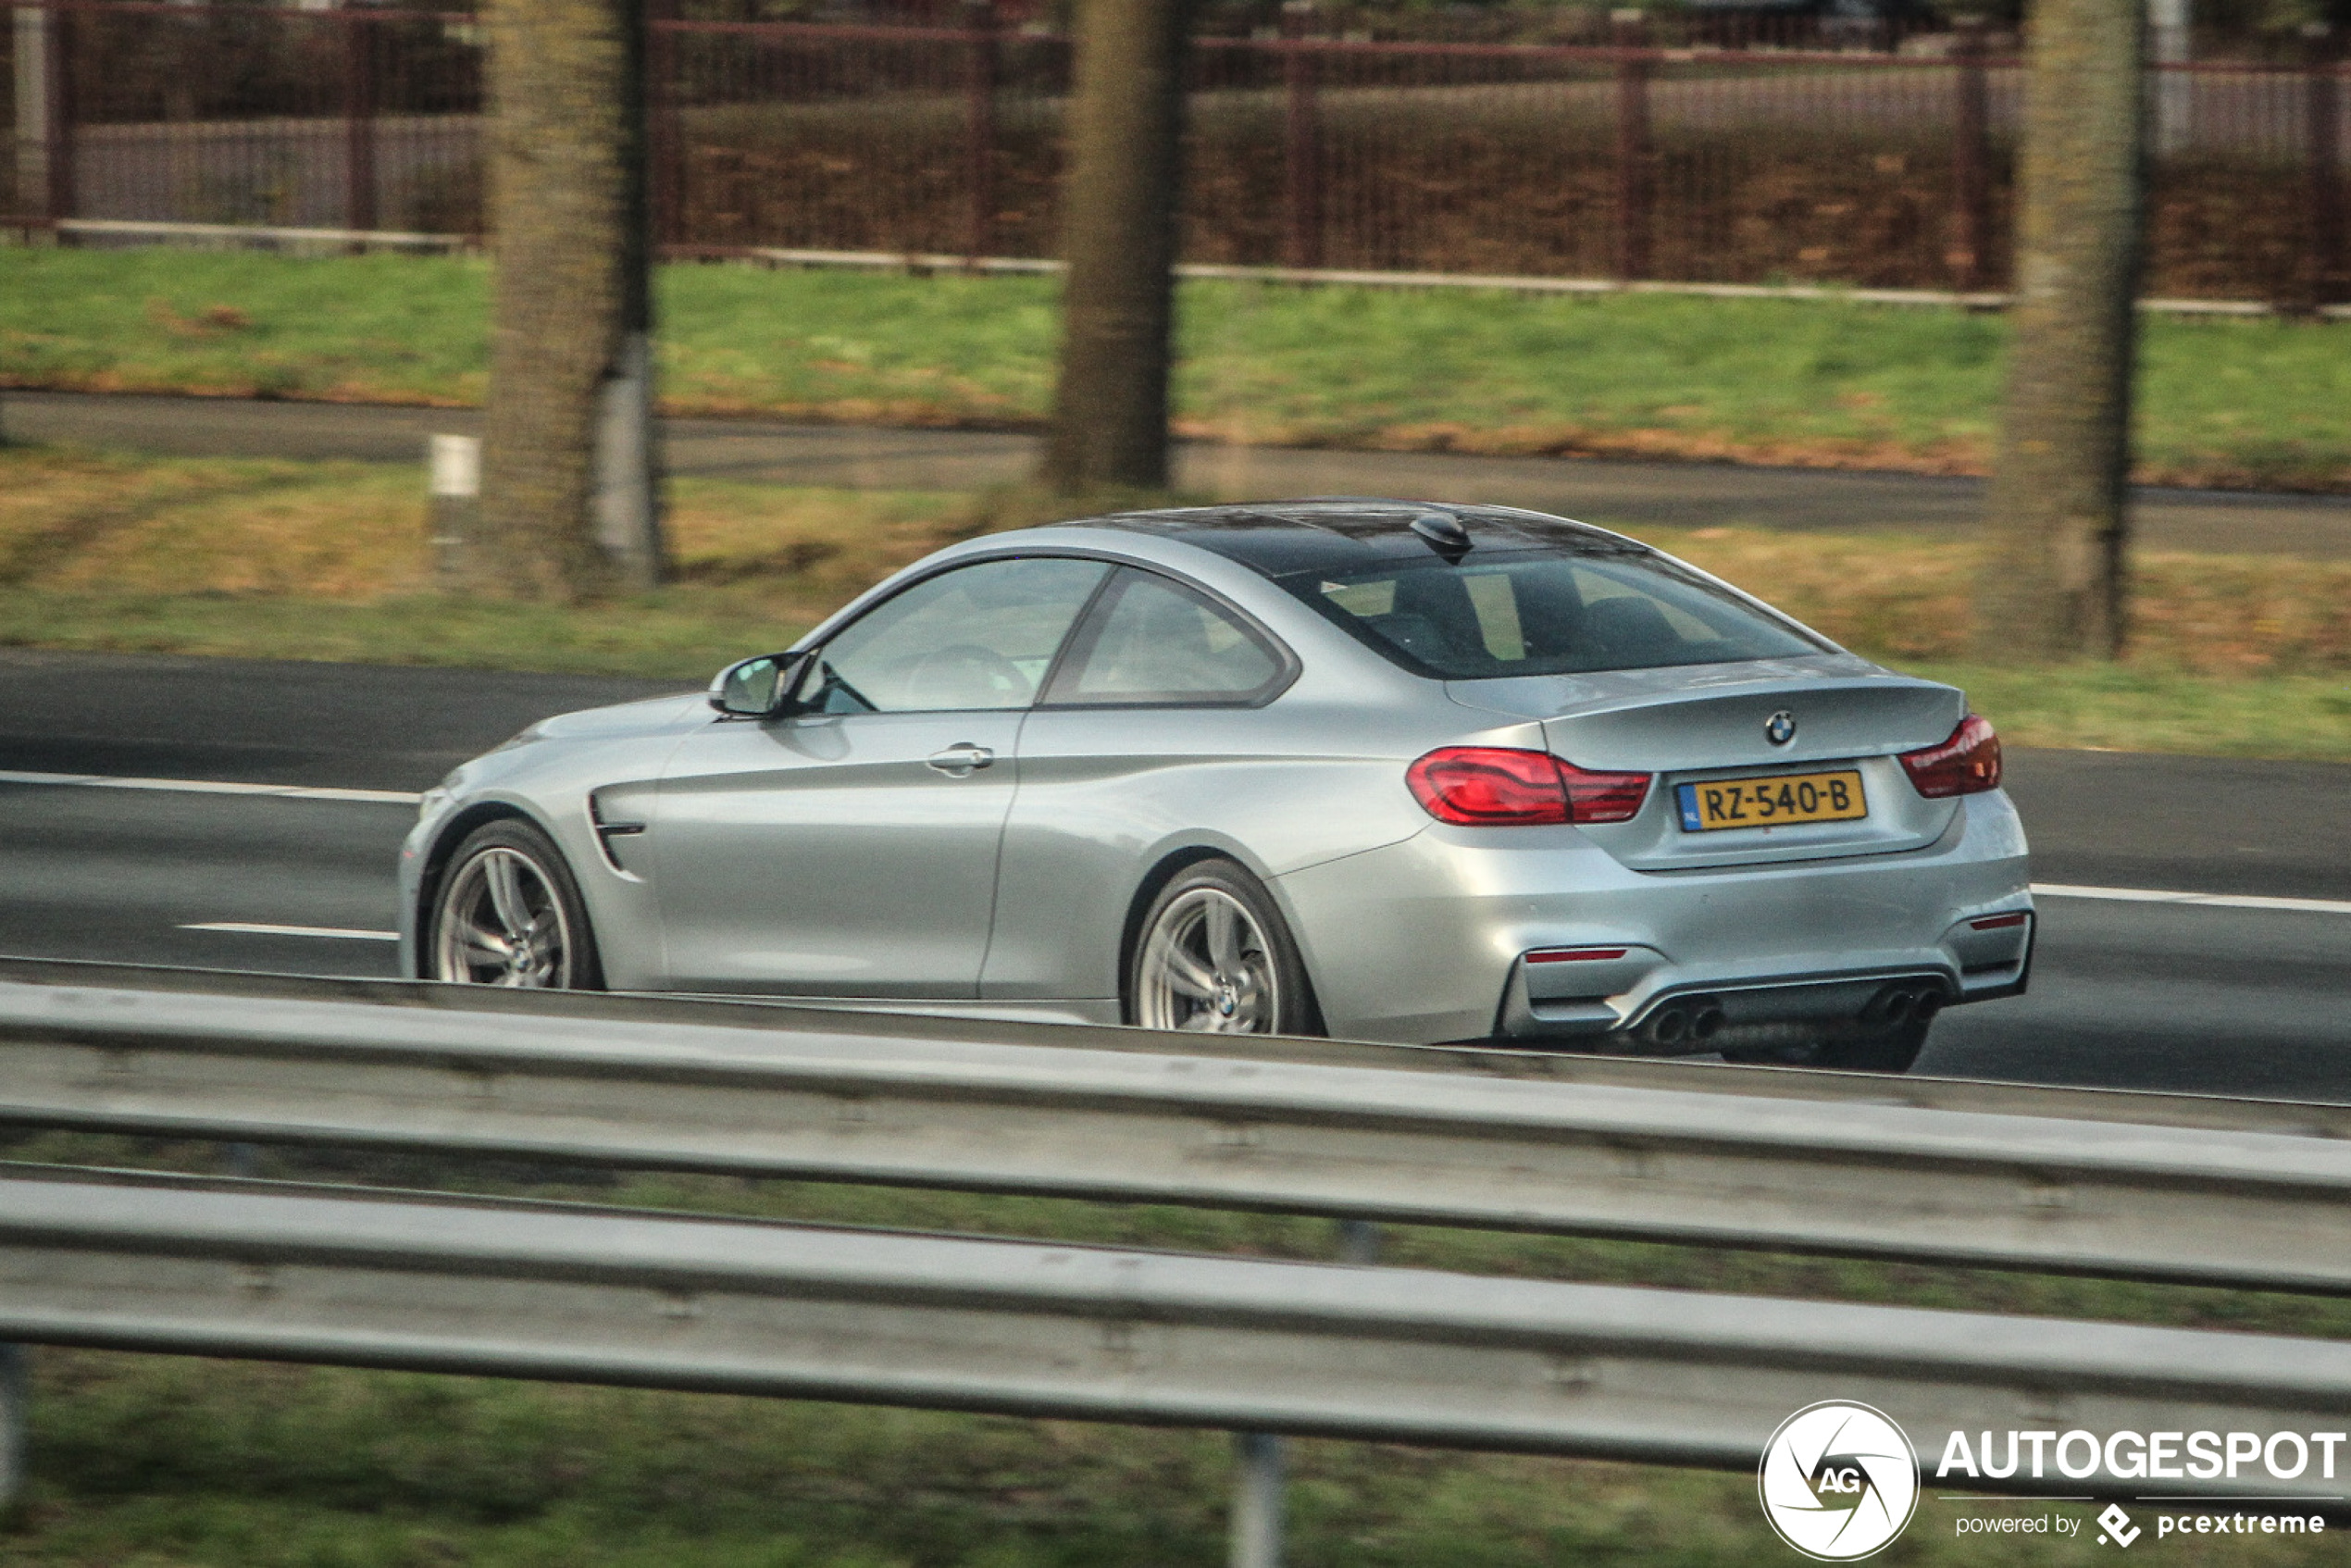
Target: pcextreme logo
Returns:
[[1838, 1481]]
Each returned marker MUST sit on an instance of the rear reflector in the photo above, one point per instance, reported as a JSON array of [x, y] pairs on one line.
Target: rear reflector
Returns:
[[1503, 787], [1967, 763], [1997, 922], [1573, 954]]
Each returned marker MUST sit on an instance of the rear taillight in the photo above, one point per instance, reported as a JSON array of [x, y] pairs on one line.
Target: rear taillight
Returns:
[[1967, 763], [1604, 797], [1501, 787]]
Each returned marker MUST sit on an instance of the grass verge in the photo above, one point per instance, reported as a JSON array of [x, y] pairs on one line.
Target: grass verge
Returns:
[[2261, 402], [2237, 655]]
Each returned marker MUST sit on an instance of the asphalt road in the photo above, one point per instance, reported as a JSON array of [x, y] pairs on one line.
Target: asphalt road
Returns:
[[2209, 998], [867, 458]]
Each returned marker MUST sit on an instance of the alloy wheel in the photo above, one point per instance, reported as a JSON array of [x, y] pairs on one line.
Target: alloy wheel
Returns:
[[1208, 968], [502, 924]]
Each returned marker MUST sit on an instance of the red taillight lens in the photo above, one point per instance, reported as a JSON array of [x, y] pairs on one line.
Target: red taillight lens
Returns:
[[1604, 797], [1968, 763], [1499, 786], [1488, 786]]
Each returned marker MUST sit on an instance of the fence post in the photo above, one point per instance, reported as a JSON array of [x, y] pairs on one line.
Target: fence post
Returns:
[[58, 104], [359, 121], [665, 145], [1971, 160], [1634, 189], [979, 129], [2171, 104], [1302, 141], [2326, 269], [31, 60]]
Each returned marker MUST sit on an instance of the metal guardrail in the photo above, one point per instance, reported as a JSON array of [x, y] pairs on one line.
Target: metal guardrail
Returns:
[[552, 1291], [2164, 1187]]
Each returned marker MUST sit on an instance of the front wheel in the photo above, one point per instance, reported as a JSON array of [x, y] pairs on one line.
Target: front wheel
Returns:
[[508, 914], [1213, 957]]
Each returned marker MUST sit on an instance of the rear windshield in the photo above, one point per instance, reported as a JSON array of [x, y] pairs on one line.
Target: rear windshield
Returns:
[[1521, 612]]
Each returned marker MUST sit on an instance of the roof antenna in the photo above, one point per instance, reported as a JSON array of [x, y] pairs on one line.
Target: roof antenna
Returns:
[[1444, 533]]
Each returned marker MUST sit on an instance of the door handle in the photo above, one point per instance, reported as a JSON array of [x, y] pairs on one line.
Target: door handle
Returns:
[[961, 761]]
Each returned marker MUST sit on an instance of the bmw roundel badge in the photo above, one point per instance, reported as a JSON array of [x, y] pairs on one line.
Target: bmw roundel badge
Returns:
[[1780, 729]]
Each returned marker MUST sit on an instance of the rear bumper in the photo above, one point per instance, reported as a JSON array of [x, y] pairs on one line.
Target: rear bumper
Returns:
[[1425, 940]]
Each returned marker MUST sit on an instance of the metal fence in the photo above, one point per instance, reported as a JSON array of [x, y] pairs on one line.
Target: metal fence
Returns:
[[1870, 168]]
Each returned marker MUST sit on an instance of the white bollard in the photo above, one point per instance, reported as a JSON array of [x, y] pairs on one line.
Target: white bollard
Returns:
[[628, 476], [452, 465]]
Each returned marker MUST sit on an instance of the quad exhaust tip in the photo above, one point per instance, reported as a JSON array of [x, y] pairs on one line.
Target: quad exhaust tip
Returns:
[[1687, 1023], [1902, 1004]]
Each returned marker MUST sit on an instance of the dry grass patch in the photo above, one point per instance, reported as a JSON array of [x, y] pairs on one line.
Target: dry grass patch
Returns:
[[1902, 597], [2245, 655]]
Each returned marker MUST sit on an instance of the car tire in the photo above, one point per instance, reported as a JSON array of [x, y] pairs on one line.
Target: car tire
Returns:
[[1887, 1050], [508, 912], [1212, 955]]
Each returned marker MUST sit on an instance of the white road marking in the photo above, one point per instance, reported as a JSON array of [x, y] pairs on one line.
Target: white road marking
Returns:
[[218, 787], [2205, 901], [256, 929]]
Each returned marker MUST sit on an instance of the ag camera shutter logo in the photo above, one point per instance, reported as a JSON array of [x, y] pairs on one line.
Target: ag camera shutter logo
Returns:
[[1838, 1481]]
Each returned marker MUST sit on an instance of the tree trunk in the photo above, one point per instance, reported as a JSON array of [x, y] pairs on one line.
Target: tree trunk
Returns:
[[568, 503], [1110, 408], [2053, 584]]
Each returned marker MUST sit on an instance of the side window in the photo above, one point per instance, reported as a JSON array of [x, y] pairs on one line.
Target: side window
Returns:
[[1156, 642], [981, 636]]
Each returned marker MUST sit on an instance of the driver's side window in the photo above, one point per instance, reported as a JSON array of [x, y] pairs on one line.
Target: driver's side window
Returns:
[[980, 636]]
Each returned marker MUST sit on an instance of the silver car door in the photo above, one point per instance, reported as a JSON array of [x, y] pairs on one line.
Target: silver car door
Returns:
[[1155, 726], [850, 849]]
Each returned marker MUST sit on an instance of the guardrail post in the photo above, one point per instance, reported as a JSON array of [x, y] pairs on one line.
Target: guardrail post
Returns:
[[359, 121], [1259, 1470], [979, 129], [1301, 142], [1971, 158], [2327, 271], [1257, 1501], [1636, 192], [16, 1390]]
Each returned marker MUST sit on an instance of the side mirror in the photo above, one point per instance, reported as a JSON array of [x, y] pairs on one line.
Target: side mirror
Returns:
[[759, 688]]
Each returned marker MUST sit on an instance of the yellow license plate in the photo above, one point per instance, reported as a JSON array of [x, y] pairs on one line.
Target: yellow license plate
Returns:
[[1765, 802]]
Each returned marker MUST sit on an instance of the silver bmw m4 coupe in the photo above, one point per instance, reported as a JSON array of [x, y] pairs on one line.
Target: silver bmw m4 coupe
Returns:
[[1391, 770]]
